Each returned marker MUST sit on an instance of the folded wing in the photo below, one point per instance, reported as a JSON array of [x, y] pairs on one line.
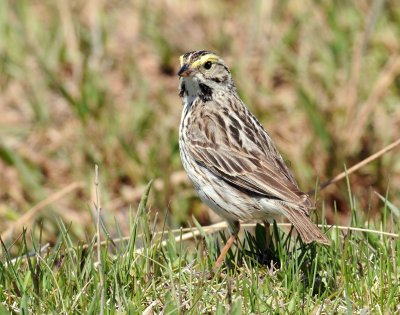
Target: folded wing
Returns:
[[231, 155]]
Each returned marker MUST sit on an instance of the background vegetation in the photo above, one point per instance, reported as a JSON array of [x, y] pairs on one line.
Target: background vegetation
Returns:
[[93, 82]]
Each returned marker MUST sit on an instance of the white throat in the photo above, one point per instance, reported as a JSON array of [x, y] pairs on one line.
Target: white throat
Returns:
[[192, 91]]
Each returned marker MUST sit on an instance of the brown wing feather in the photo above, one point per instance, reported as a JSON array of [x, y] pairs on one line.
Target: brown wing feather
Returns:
[[246, 172], [229, 150]]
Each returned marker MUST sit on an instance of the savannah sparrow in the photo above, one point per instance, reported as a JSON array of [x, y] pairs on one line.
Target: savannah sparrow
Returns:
[[230, 158]]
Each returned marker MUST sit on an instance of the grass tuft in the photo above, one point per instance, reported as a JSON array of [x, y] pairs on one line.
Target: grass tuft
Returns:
[[161, 273]]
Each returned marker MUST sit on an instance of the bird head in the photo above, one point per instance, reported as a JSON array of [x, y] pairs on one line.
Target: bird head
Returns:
[[204, 67]]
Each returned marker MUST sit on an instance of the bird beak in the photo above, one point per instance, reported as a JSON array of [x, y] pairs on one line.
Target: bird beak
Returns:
[[185, 70]]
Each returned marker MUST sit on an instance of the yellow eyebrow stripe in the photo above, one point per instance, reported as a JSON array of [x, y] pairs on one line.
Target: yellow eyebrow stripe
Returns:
[[181, 60], [203, 60]]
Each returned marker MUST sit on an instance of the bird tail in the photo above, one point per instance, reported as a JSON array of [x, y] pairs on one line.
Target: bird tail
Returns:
[[308, 231]]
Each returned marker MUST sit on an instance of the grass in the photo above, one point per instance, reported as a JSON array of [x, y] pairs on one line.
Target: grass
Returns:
[[358, 273], [84, 85]]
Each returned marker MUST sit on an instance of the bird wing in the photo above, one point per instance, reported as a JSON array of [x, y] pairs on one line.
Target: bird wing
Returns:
[[243, 156]]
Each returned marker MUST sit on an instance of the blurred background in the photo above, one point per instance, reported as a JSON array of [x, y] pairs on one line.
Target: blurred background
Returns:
[[94, 82]]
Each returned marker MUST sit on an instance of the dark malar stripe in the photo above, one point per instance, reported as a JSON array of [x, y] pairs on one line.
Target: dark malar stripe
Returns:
[[205, 92]]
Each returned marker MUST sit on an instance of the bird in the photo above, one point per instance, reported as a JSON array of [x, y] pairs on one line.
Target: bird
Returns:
[[230, 158]]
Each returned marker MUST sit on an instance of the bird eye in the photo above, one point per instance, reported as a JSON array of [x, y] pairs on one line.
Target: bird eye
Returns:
[[208, 65]]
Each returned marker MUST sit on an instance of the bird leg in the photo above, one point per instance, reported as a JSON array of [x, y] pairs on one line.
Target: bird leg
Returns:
[[224, 250], [234, 228]]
